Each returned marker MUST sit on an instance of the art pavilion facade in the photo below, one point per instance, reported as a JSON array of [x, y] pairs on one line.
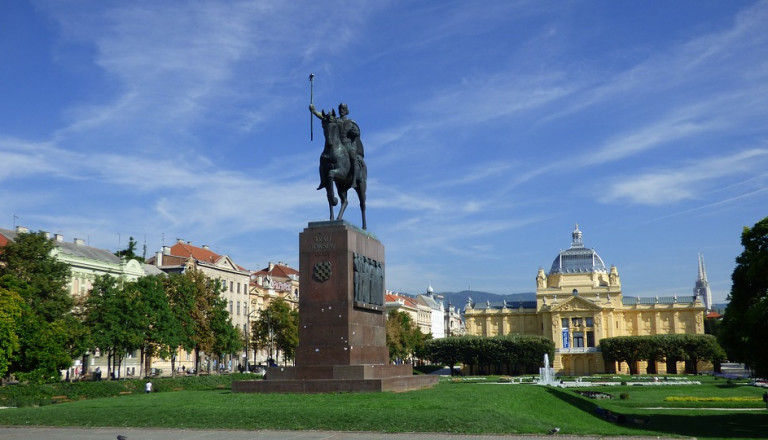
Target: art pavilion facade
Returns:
[[578, 303]]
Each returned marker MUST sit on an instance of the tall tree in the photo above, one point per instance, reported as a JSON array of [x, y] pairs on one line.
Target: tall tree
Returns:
[[228, 339], [162, 329], [10, 320], [277, 328], [114, 319], [47, 332], [129, 253], [179, 289], [404, 337], [744, 329], [194, 299]]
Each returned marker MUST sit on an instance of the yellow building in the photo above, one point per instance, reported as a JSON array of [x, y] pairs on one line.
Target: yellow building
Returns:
[[578, 303], [268, 284]]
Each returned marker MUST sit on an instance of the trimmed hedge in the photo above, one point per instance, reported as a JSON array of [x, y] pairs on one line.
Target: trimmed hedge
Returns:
[[510, 354], [46, 394], [657, 348]]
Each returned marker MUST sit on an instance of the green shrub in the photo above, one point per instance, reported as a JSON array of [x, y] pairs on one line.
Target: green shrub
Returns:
[[39, 395], [624, 396]]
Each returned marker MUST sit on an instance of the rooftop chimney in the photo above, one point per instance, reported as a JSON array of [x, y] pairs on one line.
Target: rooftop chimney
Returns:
[[166, 250], [206, 247], [79, 241], [58, 237], [21, 230]]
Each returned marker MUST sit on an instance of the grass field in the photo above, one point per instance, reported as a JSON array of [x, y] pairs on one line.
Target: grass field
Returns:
[[463, 407]]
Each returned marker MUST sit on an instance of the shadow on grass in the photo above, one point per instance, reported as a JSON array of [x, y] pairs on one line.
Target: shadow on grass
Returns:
[[714, 425]]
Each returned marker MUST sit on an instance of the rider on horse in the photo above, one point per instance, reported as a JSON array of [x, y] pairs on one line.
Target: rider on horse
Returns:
[[344, 132]]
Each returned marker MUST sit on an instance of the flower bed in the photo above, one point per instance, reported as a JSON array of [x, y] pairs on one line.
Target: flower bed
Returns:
[[711, 399], [595, 394]]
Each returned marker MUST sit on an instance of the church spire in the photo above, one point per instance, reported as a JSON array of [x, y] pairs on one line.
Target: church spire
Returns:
[[701, 289], [702, 269]]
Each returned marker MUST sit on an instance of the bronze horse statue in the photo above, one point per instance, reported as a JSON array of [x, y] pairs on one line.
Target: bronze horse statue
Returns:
[[342, 161]]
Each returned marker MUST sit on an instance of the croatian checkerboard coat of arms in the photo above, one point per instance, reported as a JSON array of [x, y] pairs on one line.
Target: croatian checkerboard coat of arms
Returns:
[[322, 271]]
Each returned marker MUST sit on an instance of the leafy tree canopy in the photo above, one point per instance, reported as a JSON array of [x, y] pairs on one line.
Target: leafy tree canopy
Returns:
[[28, 268], [744, 329], [129, 253], [277, 328], [404, 337]]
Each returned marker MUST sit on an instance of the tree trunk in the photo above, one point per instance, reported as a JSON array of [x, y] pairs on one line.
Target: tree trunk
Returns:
[[148, 360]]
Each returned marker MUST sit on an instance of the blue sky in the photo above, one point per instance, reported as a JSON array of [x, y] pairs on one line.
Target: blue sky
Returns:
[[490, 129]]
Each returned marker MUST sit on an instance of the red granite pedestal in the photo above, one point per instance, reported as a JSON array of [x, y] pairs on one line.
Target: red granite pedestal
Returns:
[[342, 337]]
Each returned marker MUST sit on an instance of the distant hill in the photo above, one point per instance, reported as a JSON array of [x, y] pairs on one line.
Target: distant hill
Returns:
[[459, 299]]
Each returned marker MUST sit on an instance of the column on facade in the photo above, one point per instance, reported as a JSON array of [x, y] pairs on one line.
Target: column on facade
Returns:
[[674, 326], [658, 323], [504, 324]]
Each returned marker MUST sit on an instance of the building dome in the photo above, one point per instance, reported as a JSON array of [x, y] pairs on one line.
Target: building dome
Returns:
[[577, 259]]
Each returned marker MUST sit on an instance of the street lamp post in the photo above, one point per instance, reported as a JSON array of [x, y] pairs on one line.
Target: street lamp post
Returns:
[[271, 339], [254, 309]]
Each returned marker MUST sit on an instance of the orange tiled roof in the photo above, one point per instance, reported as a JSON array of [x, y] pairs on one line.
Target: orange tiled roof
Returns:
[[407, 300], [279, 271], [200, 254], [186, 250]]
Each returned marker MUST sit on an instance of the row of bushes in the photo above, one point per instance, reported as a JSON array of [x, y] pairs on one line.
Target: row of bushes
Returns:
[[509, 354], [671, 349], [45, 394]]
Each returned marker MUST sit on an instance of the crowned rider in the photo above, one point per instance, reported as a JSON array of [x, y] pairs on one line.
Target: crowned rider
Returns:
[[350, 137]]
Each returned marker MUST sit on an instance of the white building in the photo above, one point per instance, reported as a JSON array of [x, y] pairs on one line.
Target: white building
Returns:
[[437, 312]]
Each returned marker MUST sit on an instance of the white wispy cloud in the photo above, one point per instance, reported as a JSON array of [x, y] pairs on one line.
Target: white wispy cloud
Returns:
[[682, 183]]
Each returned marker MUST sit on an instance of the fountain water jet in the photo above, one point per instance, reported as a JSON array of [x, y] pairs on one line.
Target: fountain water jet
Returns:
[[546, 374]]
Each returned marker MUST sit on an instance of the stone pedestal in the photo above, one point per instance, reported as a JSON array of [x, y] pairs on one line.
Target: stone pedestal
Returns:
[[342, 323]]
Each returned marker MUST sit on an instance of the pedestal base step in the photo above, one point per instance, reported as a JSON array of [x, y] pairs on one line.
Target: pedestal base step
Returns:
[[393, 384]]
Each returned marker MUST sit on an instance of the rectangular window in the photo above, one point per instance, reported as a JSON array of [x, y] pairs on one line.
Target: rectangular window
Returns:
[[565, 322], [590, 339], [589, 322], [230, 307], [238, 307], [231, 286], [238, 287], [578, 339]]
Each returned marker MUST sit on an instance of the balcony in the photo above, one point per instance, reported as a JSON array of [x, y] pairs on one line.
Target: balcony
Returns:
[[577, 350]]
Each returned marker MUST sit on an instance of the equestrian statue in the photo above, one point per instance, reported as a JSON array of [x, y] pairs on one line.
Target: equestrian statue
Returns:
[[342, 161]]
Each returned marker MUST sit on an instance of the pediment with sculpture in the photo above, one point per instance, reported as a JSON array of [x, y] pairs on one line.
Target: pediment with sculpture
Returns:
[[575, 303]]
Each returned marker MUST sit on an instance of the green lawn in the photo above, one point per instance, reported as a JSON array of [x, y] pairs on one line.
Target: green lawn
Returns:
[[449, 407]]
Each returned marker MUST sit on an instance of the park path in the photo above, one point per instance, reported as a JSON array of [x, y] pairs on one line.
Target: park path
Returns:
[[58, 433]]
